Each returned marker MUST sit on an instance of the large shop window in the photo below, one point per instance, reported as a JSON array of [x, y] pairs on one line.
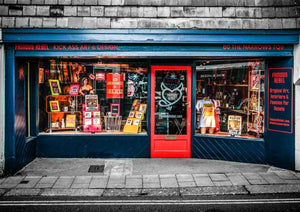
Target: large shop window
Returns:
[[230, 98], [92, 96]]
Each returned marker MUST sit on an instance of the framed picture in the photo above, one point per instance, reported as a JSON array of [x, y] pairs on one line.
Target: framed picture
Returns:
[[139, 115], [88, 114], [91, 102], [54, 87], [97, 114], [54, 106], [129, 121], [143, 108], [115, 109], [100, 76], [88, 122], [131, 114], [234, 125], [96, 121], [70, 120], [136, 122], [74, 89]]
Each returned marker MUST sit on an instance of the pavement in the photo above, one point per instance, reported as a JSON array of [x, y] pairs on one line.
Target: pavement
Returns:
[[52, 177]]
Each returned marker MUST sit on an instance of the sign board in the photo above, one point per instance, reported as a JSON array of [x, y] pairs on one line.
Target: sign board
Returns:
[[280, 100], [114, 86]]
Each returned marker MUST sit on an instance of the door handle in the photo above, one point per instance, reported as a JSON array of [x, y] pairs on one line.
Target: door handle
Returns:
[[188, 103]]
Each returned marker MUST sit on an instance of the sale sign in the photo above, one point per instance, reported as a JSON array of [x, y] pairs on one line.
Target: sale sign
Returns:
[[114, 86]]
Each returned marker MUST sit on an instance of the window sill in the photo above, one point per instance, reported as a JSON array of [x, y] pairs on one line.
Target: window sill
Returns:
[[72, 133]]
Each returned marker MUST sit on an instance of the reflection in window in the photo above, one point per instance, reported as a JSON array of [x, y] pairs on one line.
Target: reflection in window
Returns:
[[230, 98], [92, 96]]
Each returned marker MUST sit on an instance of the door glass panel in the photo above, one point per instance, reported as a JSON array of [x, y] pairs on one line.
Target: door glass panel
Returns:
[[170, 102]]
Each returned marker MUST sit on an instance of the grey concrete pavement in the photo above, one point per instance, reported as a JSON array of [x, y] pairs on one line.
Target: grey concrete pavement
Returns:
[[148, 177]]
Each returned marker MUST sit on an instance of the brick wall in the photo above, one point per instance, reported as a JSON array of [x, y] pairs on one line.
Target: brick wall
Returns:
[[195, 14]]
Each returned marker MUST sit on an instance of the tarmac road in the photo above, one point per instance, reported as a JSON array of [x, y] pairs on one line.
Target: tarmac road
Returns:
[[230, 203]]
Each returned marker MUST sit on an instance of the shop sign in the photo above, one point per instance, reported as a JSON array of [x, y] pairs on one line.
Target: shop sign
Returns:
[[280, 100], [114, 86]]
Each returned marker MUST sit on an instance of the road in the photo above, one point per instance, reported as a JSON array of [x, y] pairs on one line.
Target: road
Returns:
[[226, 203]]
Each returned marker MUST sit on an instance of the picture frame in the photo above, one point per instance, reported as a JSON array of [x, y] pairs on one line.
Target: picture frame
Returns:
[[74, 89], [129, 121], [234, 125], [131, 114], [88, 114], [54, 87], [91, 102], [87, 121], [54, 106], [70, 120], [139, 115], [96, 121], [100, 76], [97, 114], [136, 122], [143, 108], [115, 109]]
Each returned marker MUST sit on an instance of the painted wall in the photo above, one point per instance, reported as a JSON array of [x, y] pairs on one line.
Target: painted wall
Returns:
[[188, 14], [297, 102], [2, 104]]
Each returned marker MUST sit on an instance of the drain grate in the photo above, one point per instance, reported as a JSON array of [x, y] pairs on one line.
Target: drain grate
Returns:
[[96, 168], [24, 182]]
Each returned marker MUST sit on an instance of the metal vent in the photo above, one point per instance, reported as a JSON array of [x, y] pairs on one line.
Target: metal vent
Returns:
[[96, 168]]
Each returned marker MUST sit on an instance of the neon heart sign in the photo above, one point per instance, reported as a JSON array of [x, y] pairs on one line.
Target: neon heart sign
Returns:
[[164, 102]]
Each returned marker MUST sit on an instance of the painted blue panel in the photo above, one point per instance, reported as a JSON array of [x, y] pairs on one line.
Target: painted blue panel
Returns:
[[230, 149], [93, 146], [149, 36], [280, 146]]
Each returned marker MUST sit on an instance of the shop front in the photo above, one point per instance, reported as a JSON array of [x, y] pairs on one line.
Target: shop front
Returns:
[[225, 95]]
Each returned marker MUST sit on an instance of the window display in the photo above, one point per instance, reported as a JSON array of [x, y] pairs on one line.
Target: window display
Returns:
[[92, 96], [230, 98]]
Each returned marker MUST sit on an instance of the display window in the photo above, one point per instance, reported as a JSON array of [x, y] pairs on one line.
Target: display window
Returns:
[[92, 96], [230, 98]]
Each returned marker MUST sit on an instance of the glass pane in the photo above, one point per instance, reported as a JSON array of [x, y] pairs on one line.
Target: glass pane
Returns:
[[230, 98], [170, 102]]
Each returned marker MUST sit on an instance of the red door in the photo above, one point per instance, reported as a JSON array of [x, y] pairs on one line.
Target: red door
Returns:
[[171, 111]]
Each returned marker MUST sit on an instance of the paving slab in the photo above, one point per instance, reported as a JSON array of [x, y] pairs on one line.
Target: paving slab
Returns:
[[163, 192], [237, 179], [2, 179], [218, 177], [184, 177], [116, 182], [72, 192], [258, 182], [222, 183], [2, 191], [220, 190], [134, 183], [11, 182], [150, 178], [29, 182], [122, 192], [48, 180], [99, 182], [252, 176], [273, 189], [80, 185], [23, 192], [203, 180], [286, 175], [187, 184], [170, 182], [64, 182], [292, 181], [272, 178], [151, 185], [82, 180]]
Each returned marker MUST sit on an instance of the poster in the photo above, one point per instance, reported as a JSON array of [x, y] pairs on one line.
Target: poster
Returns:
[[100, 76], [54, 106], [280, 100], [234, 125], [91, 102], [74, 89], [70, 120], [114, 86], [54, 87], [115, 109]]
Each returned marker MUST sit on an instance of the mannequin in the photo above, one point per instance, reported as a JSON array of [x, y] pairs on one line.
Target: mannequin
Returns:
[[207, 120]]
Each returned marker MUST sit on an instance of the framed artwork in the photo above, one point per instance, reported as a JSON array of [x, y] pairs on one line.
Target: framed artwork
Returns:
[[139, 115], [136, 122], [234, 125], [54, 87], [97, 114], [74, 89], [91, 102], [70, 120], [131, 114], [143, 107], [54, 106], [129, 121], [96, 121], [87, 114], [115, 109], [88, 122]]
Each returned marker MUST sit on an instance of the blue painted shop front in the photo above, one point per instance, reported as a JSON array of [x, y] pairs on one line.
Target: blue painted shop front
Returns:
[[157, 47]]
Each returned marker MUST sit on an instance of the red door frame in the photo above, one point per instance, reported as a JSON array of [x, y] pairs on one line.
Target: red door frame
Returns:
[[182, 142]]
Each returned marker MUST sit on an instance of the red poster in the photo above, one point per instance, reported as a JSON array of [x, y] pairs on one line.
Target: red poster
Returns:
[[115, 86]]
